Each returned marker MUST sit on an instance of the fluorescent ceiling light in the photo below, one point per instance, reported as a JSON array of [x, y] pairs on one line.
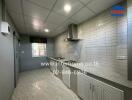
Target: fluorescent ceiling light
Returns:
[[46, 30], [67, 8], [36, 23]]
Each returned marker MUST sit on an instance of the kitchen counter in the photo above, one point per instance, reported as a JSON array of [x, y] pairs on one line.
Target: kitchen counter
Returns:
[[101, 74]]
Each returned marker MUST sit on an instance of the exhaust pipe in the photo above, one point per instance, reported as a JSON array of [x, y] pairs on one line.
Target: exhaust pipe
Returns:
[[3, 11]]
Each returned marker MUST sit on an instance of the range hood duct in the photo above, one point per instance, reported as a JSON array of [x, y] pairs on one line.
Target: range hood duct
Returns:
[[72, 32], [3, 11]]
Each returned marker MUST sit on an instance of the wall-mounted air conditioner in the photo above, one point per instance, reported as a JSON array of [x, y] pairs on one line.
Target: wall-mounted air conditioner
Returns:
[[5, 28]]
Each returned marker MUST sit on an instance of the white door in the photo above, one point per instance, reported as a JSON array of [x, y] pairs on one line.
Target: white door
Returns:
[[84, 86], [111, 93], [51, 65], [66, 75], [16, 59], [59, 69], [97, 90], [55, 70], [92, 89]]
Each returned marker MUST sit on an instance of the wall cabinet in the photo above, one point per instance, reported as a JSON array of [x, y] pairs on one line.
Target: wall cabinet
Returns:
[[66, 72], [92, 89]]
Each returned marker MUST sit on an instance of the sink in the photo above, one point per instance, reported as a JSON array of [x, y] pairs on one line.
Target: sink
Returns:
[[70, 61], [59, 58]]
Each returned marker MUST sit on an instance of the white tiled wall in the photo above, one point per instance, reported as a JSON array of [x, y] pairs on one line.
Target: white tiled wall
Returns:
[[105, 38], [104, 41]]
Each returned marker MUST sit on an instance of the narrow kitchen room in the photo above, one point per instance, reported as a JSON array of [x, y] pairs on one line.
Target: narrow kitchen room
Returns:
[[65, 50]]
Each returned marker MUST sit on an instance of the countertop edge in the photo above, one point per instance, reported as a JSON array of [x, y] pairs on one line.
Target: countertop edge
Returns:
[[92, 74]]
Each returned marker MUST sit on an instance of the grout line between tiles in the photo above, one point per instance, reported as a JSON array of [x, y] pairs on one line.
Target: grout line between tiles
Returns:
[[87, 6], [37, 4], [51, 10]]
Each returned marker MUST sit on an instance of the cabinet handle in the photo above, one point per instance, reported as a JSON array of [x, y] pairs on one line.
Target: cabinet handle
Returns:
[[93, 88], [90, 86]]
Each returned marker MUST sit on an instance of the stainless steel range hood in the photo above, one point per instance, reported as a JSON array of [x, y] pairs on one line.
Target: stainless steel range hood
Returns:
[[72, 33]]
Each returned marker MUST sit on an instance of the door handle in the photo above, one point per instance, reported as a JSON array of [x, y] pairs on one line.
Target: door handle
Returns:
[[93, 88], [90, 86]]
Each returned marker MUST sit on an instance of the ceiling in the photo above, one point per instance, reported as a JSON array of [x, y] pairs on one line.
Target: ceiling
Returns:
[[33, 16]]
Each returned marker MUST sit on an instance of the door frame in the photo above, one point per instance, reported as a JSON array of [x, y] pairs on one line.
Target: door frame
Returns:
[[14, 47]]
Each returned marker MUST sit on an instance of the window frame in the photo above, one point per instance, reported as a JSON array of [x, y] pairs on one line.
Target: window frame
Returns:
[[39, 51]]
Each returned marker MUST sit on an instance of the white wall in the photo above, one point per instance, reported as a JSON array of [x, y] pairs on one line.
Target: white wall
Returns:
[[6, 63], [27, 62]]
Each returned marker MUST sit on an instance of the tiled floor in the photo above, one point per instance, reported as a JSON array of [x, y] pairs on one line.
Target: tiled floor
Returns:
[[41, 85]]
